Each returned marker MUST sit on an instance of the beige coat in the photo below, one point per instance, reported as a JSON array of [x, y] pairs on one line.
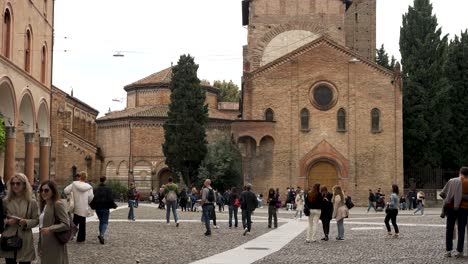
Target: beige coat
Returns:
[[300, 202], [18, 207], [51, 250], [82, 195], [340, 211]]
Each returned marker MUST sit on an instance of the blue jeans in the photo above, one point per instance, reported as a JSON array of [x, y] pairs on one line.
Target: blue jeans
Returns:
[[131, 215], [420, 208], [206, 216], [103, 215], [340, 225], [371, 205], [233, 211], [171, 205], [247, 219]]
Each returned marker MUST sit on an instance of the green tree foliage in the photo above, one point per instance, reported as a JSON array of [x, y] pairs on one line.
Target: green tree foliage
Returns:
[[382, 59], [228, 91], [425, 112], [184, 130], [222, 165], [457, 74], [2, 135]]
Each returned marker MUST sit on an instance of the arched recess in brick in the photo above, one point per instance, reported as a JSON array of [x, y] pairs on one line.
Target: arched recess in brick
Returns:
[[163, 176], [122, 170], [7, 102], [111, 171], [142, 175], [247, 149], [27, 113], [263, 169], [258, 52]]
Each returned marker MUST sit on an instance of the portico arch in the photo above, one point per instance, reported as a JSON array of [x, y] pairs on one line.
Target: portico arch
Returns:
[[8, 114]]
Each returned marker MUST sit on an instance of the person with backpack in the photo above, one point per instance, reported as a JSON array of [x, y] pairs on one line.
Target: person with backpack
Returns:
[[234, 205], [171, 191], [54, 218], [314, 203], [207, 202], [272, 211], [248, 205]]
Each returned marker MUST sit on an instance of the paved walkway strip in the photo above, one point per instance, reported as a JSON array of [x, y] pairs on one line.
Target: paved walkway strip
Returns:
[[259, 247]]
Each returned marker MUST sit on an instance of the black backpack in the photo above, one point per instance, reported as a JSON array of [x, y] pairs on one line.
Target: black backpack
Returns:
[[349, 202], [210, 197]]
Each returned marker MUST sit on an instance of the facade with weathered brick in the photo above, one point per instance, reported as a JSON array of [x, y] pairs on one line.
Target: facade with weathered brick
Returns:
[[315, 105], [131, 140]]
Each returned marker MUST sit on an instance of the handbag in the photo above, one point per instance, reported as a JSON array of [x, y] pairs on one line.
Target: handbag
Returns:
[[64, 236], [306, 210], [13, 242]]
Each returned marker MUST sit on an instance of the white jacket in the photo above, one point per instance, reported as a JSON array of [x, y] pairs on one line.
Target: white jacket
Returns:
[[82, 195]]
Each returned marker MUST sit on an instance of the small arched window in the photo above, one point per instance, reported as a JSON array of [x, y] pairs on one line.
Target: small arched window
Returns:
[[269, 116], [43, 64], [375, 119], [341, 120], [27, 51], [305, 116], [7, 31]]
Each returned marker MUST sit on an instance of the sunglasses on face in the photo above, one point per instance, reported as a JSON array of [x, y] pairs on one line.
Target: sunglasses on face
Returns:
[[44, 190], [16, 183]]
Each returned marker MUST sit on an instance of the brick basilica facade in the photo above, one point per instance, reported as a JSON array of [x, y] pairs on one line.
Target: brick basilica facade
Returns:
[[315, 105]]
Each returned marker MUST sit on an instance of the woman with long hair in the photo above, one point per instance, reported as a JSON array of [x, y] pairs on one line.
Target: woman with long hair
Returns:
[[340, 211], [299, 204], [392, 211], [314, 203], [54, 218], [21, 216], [327, 211]]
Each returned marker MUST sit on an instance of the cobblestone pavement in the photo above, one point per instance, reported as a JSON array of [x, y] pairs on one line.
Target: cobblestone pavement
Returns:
[[151, 240], [422, 240]]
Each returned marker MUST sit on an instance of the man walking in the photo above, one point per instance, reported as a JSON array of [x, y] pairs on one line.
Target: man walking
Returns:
[[248, 205], [371, 201], [452, 194], [82, 196], [102, 202], [131, 196], [207, 202], [171, 192]]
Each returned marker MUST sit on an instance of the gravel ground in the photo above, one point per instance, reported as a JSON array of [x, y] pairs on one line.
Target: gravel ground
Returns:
[[416, 244]]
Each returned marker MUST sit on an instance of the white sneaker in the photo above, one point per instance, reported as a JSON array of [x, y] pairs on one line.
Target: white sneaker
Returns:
[[448, 254], [458, 254], [245, 231], [216, 227]]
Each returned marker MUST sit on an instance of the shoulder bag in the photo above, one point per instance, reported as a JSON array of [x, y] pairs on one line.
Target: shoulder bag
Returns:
[[13, 242], [64, 236]]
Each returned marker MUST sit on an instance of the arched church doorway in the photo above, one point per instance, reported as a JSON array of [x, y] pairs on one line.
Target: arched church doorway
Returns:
[[325, 173], [164, 176]]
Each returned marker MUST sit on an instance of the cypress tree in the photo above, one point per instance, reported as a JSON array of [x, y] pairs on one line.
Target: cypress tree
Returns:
[[457, 74], [425, 113], [381, 58], [184, 130]]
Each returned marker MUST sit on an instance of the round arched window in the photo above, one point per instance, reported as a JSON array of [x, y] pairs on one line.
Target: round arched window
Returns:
[[323, 96]]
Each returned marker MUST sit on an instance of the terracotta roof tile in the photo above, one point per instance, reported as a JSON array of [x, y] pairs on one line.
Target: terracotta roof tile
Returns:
[[163, 76]]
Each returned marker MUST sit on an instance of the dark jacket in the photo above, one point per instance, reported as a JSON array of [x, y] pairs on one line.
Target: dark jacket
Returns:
[[327, 207], [232, 197], [316, 204], [103, 198], [131, 194], [248, 201], [273, 198]]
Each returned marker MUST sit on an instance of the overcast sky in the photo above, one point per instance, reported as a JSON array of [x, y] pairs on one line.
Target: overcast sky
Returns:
[[153, 33]]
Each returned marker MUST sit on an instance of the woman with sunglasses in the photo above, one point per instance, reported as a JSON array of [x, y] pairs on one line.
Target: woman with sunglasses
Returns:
[[21, 216], [54, 218]]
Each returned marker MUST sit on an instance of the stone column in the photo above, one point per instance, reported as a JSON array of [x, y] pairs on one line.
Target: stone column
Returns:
[[29, 156], [10, 150], [44, 148]]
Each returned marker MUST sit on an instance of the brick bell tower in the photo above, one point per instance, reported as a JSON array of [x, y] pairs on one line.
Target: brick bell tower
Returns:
[[277, 27]]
